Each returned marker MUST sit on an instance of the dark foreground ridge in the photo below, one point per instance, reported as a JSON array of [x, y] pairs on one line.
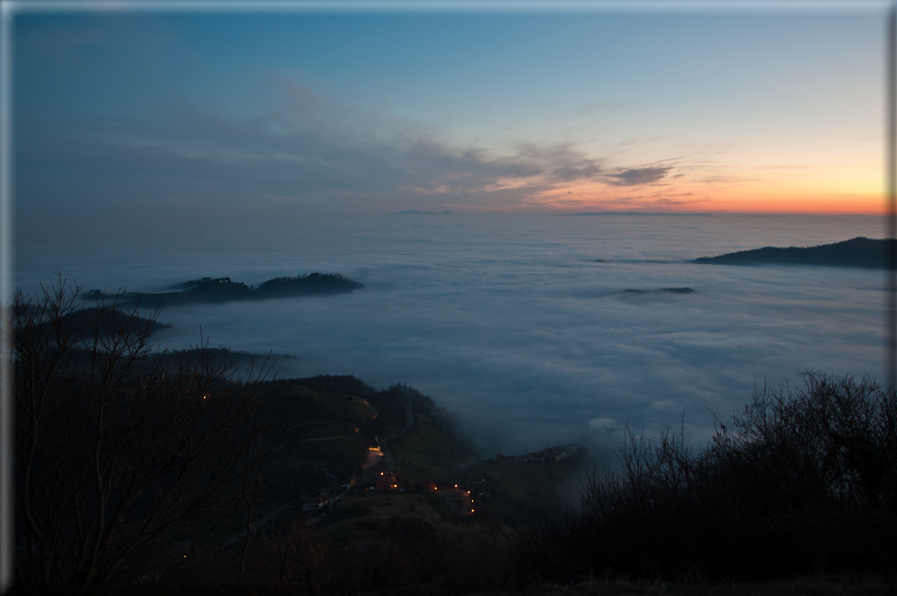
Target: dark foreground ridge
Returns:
[[858, 252], [223, 289]]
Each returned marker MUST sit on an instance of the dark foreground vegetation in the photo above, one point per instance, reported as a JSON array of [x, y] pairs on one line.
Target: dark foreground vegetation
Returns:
[[144, 472], [858, 252], [800, 482]]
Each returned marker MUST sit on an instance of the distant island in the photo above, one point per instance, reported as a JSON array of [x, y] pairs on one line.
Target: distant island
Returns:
[[415, 212], [684, 290], [858, 252], [223, 289], [636, 213]]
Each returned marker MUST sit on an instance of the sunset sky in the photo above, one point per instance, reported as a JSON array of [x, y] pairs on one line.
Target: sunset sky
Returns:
[[300, 112]]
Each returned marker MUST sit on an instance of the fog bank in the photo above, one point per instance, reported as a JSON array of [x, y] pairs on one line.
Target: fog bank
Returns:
[[520, 325]]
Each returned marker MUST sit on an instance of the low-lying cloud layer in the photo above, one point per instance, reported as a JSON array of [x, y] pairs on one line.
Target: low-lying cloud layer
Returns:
[[513, 325]]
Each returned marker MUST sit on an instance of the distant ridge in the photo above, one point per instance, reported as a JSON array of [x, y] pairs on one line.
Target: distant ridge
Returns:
[[683, 290], [857, 252], [223, 289], [415, 212], [671, 213]]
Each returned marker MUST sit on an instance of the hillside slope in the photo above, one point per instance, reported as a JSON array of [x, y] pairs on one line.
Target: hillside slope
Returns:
[[857, 252]]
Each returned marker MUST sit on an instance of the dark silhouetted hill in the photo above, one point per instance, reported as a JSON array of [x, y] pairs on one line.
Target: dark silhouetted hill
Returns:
[[684, 290], [306, 285], [222, 289], [858, 252], [89, 323]]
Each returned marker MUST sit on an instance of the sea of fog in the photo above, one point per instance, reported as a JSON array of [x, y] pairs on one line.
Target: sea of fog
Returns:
[[518, 324]]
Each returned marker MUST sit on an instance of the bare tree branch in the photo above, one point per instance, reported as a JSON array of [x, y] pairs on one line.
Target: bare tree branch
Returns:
[[120, 448]]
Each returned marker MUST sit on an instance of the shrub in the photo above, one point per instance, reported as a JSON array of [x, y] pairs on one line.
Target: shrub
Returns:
[[799, 481]]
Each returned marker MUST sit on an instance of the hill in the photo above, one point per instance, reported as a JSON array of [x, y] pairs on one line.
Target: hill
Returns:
[[89, 323], [347, 451], [416, 212], [857, 252], [209, 290]]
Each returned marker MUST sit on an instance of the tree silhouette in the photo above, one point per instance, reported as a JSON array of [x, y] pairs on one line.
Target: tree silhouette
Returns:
[[120, 450], [802, 480]]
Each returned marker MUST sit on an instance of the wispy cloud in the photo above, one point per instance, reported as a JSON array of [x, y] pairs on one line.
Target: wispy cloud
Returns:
[[313, 150], [636, 176]]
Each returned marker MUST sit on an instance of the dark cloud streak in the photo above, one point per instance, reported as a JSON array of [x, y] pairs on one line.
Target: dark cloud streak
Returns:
[[636, 176], [309, 150]]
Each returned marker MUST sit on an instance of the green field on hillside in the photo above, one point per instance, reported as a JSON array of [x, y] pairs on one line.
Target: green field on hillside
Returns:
[[535, 479], [429, 452]]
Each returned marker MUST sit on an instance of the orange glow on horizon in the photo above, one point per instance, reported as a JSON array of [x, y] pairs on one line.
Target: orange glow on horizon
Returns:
[[805, 203], [814, 190], [735, 201]]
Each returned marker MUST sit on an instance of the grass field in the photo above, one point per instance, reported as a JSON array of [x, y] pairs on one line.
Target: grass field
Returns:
[[298, 404], [428, 452], [535, 479], [379, 507]]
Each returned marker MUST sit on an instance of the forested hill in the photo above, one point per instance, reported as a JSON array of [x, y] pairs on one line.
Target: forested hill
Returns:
[[223, 289], [858, 252]]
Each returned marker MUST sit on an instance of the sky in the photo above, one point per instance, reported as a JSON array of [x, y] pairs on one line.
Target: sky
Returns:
[[136, 116]]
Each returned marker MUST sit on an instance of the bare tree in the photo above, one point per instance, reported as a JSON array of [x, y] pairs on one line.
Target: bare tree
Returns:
[[802, 480], [120, 450]]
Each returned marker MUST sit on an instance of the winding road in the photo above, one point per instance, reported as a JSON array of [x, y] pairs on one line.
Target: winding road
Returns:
[[373, 458]]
